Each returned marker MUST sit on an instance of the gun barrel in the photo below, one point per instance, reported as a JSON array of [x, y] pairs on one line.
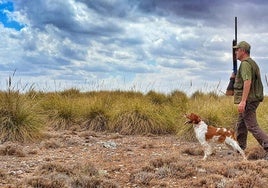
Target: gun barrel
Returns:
[[236, 28]]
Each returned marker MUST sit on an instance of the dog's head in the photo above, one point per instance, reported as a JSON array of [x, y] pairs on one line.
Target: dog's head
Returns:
[[192, 118]]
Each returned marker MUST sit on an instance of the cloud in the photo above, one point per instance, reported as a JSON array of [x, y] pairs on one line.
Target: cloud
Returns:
[[125, 44]]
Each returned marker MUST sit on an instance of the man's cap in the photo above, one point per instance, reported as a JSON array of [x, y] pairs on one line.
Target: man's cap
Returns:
[[244, 45]]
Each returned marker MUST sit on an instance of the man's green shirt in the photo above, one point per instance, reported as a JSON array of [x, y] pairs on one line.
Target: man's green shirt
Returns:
[[248, 70]]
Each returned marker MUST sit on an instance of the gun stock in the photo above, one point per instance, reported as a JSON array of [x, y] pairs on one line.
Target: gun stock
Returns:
[[230, 87]]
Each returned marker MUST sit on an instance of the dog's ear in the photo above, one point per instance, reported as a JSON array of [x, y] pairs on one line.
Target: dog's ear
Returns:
[[198, 119], [195, 118]]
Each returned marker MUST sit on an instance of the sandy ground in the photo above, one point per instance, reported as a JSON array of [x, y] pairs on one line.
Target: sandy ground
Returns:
[[132, 161]]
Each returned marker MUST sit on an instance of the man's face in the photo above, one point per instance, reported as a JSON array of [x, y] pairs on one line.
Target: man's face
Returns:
[[239, 53]]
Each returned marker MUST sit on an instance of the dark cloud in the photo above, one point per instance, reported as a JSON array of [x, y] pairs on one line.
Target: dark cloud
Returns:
[[118, 9]]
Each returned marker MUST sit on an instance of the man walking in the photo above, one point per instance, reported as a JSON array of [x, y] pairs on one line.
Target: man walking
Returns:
[[248, 93]]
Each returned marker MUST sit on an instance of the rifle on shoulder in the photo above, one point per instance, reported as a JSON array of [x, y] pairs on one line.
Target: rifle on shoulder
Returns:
[[230, 87]]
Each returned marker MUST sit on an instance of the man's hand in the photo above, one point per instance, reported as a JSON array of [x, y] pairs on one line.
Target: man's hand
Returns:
[[232, 75], [241, 107], [246, 88], [230, 88]]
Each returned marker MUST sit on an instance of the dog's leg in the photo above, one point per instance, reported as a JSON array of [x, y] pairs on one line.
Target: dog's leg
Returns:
[[207, 150], [231, 142]]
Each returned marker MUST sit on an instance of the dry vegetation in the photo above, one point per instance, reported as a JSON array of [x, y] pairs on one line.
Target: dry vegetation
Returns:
[[119, 139]]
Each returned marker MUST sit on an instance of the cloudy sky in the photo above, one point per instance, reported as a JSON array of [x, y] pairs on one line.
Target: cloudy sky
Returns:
[[140, 45]]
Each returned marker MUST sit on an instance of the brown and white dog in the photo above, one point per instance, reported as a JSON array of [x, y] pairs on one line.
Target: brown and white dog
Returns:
[[206, 134]]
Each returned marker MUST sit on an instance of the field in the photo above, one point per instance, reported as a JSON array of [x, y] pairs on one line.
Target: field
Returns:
[[90, 159], [119, 139]]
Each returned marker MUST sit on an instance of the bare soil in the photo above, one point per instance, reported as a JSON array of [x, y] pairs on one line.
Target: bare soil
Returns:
[[126, 161]]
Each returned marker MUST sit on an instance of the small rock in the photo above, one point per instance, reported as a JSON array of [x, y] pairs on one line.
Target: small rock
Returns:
[[109, 144]]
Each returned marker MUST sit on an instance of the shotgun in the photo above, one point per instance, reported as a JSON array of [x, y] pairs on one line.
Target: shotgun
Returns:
[[230, 87]]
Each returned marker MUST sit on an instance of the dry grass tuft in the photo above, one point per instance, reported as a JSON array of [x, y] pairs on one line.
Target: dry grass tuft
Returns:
[[186, 132], [12, 149], [182, 169], [157, 98], [173, 167], [251, 179], [51, 167], [157, 163], [52, 180], [57, 175], [38, 181], [193, 151], [213, 180], [163, 172], [203, 173], [20, 117], [255, 153], [224, 170], [136, 122], [61, 111], [141, 178], [92, 182], [87, 168], [50, 144], [95, 121]]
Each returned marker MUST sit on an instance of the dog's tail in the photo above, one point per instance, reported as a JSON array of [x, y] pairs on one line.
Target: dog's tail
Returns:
[[234, 135]]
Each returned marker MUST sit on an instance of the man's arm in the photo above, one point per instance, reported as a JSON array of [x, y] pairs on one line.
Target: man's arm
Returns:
[[246, 89]]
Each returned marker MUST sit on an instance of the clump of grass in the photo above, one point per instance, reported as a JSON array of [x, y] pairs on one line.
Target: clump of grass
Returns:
[[156, 98], [62, 112], [186, 132], [182, 170], [141, 178], [179, 100], [193, 151], [51, 167], [252, 179], [173, 167], [50, 144], [161, 168], [72, 92], [58, 175], [202, 174], [198, 94], [87, 175], [53, 180], [20, 118], [140, 116], [12, 149], [86, 168], [96, 121], [256, 153], [136, 122], [94, 182], [212, 180]]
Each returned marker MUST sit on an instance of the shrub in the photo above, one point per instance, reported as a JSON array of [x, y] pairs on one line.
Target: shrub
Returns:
[[156, 98], [62, 111], [138, 122], [179, 100], [20, 118], [12, 149], [96, 120]]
